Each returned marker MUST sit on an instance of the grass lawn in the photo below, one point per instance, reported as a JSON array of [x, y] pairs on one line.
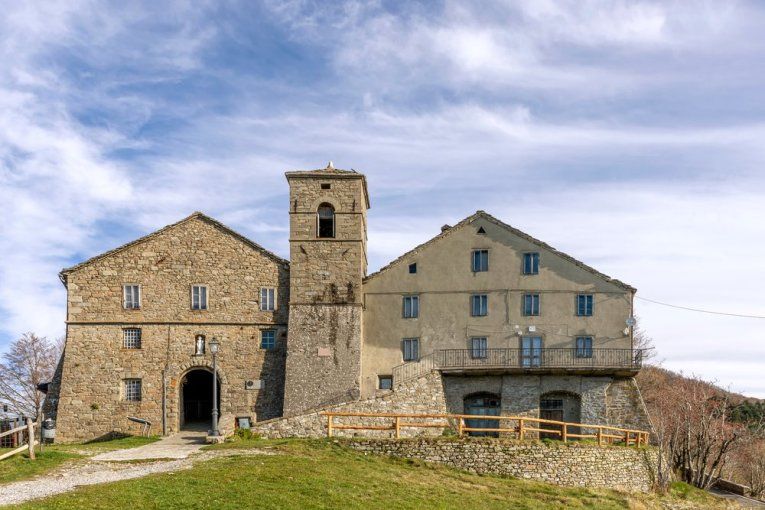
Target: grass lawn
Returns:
[[321, 474], [19, 467]]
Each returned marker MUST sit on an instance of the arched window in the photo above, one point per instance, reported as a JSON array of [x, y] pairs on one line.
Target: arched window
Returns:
[[326, 221]]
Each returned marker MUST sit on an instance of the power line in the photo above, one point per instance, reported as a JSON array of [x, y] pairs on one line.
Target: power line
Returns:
[[702, 311]]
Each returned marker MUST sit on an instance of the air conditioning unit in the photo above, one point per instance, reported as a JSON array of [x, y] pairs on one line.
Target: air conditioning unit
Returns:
[[253, 384]]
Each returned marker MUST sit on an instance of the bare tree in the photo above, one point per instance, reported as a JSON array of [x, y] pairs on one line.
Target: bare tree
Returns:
[[30, 360], [643, 341]]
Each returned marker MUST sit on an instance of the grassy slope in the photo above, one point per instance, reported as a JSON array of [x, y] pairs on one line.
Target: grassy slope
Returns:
[[19, 467], [319, 474]]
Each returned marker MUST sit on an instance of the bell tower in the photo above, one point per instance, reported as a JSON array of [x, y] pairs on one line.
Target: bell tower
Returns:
[[328, 260]]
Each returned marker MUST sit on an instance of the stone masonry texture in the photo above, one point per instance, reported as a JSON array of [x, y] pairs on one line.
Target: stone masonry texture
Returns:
[[627, 469], [165, 265]]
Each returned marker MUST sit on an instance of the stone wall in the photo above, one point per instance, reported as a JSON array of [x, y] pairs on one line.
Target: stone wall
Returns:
[[165, 264], [573, 465], [324, 361], [424, 395]]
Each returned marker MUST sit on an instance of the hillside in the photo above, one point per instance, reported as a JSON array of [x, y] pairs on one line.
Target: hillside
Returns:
[[324, 474]]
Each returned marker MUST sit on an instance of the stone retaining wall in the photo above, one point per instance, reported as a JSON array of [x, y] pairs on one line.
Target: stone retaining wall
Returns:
[[424, 395], [575, 464]]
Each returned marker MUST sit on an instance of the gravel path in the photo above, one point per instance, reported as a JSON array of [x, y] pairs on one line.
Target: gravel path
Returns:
[[91, 472]]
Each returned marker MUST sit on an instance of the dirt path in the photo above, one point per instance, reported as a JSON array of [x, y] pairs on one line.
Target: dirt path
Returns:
[[92, 471]]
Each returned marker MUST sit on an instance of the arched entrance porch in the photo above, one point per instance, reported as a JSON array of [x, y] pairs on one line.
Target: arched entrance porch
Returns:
[[196, 399]]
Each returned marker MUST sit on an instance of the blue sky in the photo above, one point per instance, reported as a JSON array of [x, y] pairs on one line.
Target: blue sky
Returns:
[[628, 134]]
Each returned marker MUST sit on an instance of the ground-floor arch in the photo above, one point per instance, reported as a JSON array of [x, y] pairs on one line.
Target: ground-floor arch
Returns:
[[482, 404], [196, 398], [560, 406]]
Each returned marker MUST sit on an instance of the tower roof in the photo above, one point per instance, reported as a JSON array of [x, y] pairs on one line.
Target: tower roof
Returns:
[[330, 172]]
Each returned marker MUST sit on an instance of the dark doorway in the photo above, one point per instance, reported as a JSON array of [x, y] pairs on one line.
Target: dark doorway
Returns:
[[196, 398], [482, 404], [560, 406]]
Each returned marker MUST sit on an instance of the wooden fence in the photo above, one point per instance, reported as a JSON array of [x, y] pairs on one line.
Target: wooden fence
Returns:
[[516, 426], [29, 428]]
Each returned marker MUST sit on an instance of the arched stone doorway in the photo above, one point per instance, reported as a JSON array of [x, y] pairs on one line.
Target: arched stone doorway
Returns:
[[482, 404], [196, 399], [560, 406]]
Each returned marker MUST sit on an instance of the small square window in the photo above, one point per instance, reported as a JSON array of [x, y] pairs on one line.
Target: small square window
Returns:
[[584, 347], [132, 390], [411, 307], [479, 305], [131, 297], [413, 268], [480, 261], [268, 339], [326, 185], [584, 304], [411, 349], [531, 304], [199, 297], [385, 382], [479, 347], [267, 299], [131, 338], [531, 263]]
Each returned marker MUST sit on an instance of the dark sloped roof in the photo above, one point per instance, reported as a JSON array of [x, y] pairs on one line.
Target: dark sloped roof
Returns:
[[482, 214], [198, 216]]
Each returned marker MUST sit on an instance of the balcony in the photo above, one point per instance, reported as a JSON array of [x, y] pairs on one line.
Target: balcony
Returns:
[[621, 362]]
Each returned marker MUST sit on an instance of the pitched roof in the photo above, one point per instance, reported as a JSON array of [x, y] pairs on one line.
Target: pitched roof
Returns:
[[196, 215], [482, 214]]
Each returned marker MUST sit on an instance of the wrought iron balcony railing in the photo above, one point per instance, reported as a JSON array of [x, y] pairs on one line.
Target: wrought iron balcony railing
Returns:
[[522, 360]]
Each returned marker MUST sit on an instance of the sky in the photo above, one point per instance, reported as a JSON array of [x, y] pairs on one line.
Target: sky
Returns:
[[629, 134]]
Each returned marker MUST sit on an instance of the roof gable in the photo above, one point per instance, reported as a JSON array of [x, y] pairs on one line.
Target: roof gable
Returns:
[[447, 231], [195, 216]]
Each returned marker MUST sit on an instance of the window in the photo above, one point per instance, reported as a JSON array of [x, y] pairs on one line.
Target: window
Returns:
[[131, 338], [584, 347], [481, 230], [584, 305], [199, 345], [131, 297], [480, 261], [411, 307], [478, 347], [479, 305], [531, 304], [268, 339], [326, 185], [385, 382], [132, 389], [326, 221], [411, 348], [267, 299], [198, 297], [413, 268], [547, 404], [531, 263]]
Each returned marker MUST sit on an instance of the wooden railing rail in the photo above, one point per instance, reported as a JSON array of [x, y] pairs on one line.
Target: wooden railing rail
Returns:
[[525, 424], [31, 442]]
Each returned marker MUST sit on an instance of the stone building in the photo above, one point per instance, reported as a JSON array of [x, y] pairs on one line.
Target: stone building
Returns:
[[481, 319]]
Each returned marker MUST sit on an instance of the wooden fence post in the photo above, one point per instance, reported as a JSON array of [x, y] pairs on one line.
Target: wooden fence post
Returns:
[[31, 438], [564, 433], [459, 426], [329, 425], [398, 426], [520, 429], [600, 436]]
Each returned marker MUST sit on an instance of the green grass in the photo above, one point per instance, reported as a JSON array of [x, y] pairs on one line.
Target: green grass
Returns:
[[322, 474], [20, 467]]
